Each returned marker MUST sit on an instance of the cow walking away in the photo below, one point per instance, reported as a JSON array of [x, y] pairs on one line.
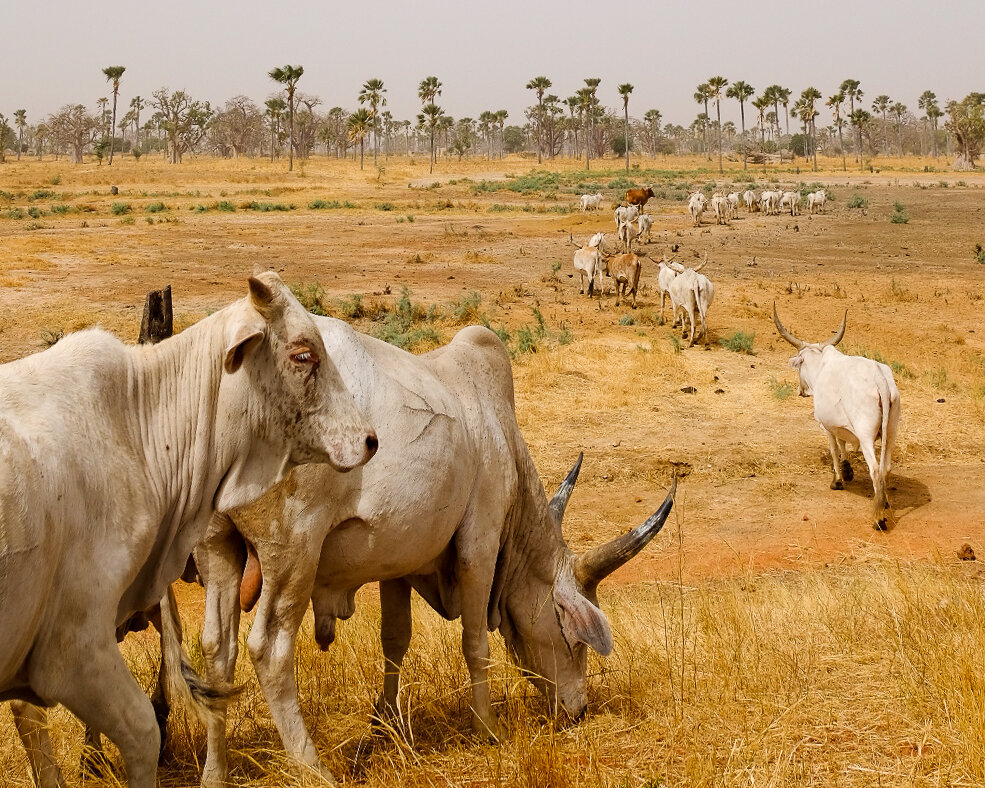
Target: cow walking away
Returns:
[[588, 260], [451, 507], [856, 402], [625, 272]]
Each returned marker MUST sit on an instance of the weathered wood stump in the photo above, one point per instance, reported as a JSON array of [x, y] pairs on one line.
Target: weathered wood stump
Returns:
[[158, 320]]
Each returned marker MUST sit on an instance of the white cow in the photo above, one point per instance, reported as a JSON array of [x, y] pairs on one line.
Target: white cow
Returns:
[[591, 202], [816, 200], [733, 204], [625, 214], [452, 507], [856, 402], [691, 294], [791, 201], [751, 200], [771, 202], [696, 207], [645, 224], [626, 236], [588, 261], [667, 271], [112, 462], [720, 207]]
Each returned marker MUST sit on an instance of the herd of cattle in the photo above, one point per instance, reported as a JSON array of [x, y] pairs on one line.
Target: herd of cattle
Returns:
[[121, 467]]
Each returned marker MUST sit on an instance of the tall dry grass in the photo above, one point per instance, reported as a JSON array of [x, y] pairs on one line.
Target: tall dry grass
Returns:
[[867, 674]]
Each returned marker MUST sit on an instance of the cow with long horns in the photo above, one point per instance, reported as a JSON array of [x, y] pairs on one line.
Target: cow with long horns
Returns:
[[856, 402], [451, 506]]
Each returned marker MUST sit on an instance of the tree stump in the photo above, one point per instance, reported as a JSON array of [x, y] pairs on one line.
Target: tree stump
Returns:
[[157, 322]]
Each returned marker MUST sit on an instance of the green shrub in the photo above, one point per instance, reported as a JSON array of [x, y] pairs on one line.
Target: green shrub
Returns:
[[322, 205], [61, 209], [156, 207], [268, 207], [980, 254], [34, 212], [225, 206], [627, 320], [352, 307], [780, 390], [385, 206], [899, 214], [15, 213], [43, 194], [466, 309], [858, 201], [525, 342], [311, 296], [121, 208], [739, 342]]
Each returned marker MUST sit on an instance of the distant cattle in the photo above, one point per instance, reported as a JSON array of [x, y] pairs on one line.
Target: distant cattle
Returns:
[[639, 197]]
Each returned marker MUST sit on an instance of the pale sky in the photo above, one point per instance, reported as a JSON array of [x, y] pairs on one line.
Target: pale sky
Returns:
[[484, 53]]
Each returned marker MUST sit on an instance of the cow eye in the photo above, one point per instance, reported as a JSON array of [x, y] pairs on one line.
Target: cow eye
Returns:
[[304, 356]]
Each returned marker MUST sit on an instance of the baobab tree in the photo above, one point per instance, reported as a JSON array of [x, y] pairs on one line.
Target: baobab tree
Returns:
[[624, 90], [359, 124], [539, 85], [113, 75], [741, 92], [835, 103], [20, 121], [288, 76], [373, 93], [966, 122], [881, 105], [715, 85]]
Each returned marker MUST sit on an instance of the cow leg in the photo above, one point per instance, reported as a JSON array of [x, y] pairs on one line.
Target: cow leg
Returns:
[[288, 583], [882, 520], [93, 760], [395, 630], [846, 467], [31, 723], [96, 685], [837, 481], [220, 561]]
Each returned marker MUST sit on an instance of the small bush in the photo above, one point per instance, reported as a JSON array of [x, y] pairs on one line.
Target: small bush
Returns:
[[348, 204], [739, 342], [980, 254], [311, 296], [410, 217], [627, 320], [121, 208], [899, 214], [34, 212], [61, 209], [858, 201], [780, 390], [15, 213], [385, 206], [268, 207], [466, 309], [225, 206], [56, 181], [43, 194], [322, 205], [352, 308], [127, 220], [525, 342], [156, 207]]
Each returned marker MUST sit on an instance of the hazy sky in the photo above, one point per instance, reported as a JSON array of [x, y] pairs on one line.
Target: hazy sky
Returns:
[[485, 52]]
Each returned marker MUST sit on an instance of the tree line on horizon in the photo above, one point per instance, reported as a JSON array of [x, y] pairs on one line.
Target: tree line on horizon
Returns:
[[290, 123]]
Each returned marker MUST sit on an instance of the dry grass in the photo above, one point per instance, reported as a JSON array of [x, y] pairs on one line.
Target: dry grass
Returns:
[[775, 641]]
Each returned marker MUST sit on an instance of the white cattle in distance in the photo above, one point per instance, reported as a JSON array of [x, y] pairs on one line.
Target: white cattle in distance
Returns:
[[751, 200], [816, 200], [109, 478], [696, 207], [591, 202], [588, 261], [645, 225], [856, 402], [625, 214]]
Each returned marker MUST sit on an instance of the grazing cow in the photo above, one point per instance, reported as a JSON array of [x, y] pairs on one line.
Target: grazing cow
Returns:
[[720, 207], [645, 224], [696, 206], [751, 200], [691, 294], [771, 202], [626, 235], [625, 272], [733, 204], [816, 200], [588, 261], [109, 480], [667, 271], [625, 214], [639, 197], [855, 402], [452, 507], [791, 200], [591, 202]]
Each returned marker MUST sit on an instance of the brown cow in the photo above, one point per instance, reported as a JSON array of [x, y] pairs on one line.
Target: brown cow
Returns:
[[638, 197], [625, 272]]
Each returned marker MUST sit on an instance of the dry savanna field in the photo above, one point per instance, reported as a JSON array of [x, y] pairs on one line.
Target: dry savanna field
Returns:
[[769, 635]]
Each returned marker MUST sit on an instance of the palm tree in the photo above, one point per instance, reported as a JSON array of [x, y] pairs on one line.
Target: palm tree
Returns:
[[501, 116], [539, 85], [430, 118], [20, 120], [899, 110], [585, 108], [372, 94], [359, 124], [573, 103], [851, 89], [624, 90], [275, 110], [808, 114], [783, 94], [103, 120], [701, 97], [136, 105], [715, 85], [652, 118], [113, 75], [835, 103], [428, 90], [591, 88], [881, 105], [860, 120], [288, 76], [928, 103], [741, 92], [762, 104]]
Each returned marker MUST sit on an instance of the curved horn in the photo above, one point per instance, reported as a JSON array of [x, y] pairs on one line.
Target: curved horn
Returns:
[[571, 238], [560, 500], [599, 562], [703, 263], [841, 333], [797, 343]]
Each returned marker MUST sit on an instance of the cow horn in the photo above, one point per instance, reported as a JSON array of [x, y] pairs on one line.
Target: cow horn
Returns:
[[600, 562], [560, 500], [841, 332], [571, 238], [703, 263], [797, 343]]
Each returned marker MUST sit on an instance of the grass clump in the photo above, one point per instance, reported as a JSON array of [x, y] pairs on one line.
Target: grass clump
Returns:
[[34, 212], [627, 320], [268, 207], [385, 206], [43, 194], [980, 254], [858, 201], [225, 206], [14, 213], [323, 205], [156, 207], [739, 342], [121, 208], [352, 307], [899, 214], [467, 309], [311, 295], [780, 390]]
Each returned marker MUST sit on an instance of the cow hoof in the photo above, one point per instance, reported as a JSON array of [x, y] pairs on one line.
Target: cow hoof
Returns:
[[837, 484], [846, 470], [487, 729], [882, 524]]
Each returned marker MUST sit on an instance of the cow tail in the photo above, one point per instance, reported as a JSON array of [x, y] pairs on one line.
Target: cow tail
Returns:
[[182, 683]]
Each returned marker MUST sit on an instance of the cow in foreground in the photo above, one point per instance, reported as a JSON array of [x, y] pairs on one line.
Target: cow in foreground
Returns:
[[639, 197], [112, 462], [667, 271], [691, 295], [856, 402], [625, 271], [452, 507], [588, 261]]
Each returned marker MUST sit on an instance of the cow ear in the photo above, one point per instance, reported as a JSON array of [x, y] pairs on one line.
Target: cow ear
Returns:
[[241, 338], [581, 621]]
